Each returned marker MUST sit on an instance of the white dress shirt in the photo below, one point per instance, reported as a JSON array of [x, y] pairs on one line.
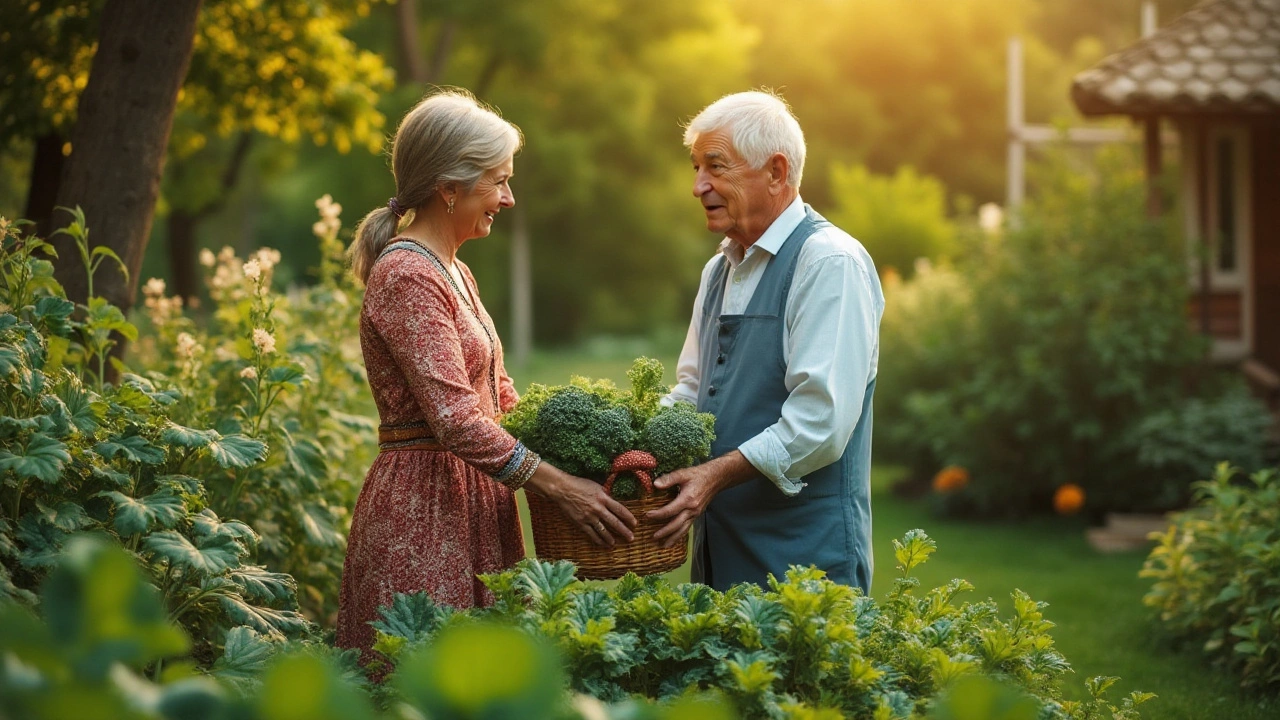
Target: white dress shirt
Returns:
[[830, 337]]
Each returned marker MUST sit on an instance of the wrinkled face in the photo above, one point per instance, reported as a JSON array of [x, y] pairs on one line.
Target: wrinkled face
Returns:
[[474, 210], [735, 197]]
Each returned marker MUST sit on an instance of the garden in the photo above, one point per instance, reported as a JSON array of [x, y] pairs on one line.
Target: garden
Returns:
[[186, 420]]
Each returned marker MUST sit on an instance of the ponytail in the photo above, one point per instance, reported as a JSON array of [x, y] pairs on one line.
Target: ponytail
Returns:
[[373, 234]]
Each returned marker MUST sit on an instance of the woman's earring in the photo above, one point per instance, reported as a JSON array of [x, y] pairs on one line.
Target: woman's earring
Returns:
[[451, 205]]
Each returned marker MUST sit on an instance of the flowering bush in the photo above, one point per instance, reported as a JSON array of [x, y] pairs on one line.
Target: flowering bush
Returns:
[[79, 453], [286, 370]]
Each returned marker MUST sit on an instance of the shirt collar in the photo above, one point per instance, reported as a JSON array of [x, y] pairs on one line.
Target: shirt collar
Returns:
[[773, 238]]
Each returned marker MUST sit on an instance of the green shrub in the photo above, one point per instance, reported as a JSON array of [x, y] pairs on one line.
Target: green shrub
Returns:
[[106, 649], [899, 218], [1217, 575], [806, 647], [1029, 362], [78, 453], [285, 370], [1181, 444]]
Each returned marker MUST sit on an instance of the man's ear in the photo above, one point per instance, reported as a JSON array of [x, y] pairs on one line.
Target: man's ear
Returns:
[[779, 169]]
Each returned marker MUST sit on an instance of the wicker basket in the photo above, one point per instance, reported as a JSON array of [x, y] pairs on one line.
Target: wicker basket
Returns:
[[555, 537]]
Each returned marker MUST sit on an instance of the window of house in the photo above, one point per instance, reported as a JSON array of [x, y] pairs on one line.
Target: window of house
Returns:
[[1225, 231]]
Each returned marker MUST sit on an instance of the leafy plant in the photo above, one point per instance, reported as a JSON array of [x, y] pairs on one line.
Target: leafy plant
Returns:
[[1183, 443], [98, 650], [284, 371], [1216, 574], [78, 453], [804, 647], [1029, 361]]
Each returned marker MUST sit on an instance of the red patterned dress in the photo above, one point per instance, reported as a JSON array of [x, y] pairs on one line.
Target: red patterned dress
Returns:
[[431, 519]]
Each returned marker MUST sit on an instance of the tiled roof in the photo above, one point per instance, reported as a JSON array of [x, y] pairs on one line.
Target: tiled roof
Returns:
[[1221, 57]]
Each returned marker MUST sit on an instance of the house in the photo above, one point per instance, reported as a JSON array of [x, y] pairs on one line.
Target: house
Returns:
[[1213, 74]]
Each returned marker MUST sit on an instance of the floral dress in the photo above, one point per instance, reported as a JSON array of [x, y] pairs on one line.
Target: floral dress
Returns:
[[431, 519]]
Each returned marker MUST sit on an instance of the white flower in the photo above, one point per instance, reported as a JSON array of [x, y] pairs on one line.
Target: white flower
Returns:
[[207, 258], [187, 345], [252, 270], [226, 254], [990, 218], [329, 210], [153, 288], [320, 229], [268, 258], [249, 373], [263, 340], [225, 353]]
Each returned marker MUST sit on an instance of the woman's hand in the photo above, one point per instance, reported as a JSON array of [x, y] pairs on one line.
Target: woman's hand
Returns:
[[586, 503]]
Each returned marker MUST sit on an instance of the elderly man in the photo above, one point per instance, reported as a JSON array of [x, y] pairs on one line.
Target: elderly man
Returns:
[[782, 348]]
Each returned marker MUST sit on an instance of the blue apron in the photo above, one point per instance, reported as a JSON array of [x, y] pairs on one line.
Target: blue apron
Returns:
[[753, 530]]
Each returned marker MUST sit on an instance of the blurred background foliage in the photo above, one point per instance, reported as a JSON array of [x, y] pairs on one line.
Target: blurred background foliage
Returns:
[[286, 101]]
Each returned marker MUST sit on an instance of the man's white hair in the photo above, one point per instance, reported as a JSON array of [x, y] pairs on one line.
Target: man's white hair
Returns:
[[759, 124]]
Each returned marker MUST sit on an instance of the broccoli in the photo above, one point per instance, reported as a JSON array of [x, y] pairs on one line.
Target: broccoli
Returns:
[[678, 436], [580, 433], [646, 390]]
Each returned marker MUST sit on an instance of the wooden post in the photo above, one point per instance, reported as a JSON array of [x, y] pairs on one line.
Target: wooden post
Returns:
[[1154, 151], [1201, 200], [1017, 161], [521, 290]]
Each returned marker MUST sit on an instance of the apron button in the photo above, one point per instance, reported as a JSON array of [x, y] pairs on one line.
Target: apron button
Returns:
[[711, 392], [720, 360]]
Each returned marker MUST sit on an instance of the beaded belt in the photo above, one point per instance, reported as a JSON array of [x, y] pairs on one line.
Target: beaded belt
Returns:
[[408, 436]]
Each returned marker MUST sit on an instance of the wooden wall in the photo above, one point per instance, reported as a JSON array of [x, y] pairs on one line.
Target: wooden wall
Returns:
[[1265, 161]]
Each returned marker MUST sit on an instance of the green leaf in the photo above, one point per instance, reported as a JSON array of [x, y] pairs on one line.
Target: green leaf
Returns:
[[67, 516], [102, 251], [101, 611], [86, 413], [205, 524], [547, 585], [268, 621], [162, 508], [244, 656], [317, 523], [413, 617], [54, 313], [212, 557], [134, 448], [291, 374], [186, 437], [307, 460], [914, 549], [111, 475], [11, 360], [40, 540], [42, 459], [256, 583], [237, 451], [102, 315]]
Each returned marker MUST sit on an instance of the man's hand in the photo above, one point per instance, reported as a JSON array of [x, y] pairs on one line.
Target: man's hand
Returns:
[[697, 485]]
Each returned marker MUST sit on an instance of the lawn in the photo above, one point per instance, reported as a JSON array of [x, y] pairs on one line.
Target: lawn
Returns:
[[1095, 599]]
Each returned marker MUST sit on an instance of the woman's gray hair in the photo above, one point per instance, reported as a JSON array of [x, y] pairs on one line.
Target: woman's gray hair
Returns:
[[759, 124], [449, 138]]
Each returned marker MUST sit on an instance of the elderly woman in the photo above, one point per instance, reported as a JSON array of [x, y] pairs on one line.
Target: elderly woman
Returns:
[[438, 506]]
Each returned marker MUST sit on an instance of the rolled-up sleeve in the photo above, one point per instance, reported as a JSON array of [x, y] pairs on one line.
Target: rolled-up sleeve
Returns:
[[832, 328]]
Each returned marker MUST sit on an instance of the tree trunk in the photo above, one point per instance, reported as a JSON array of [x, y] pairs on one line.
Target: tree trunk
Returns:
[[119, 140], [440, 55], [183, 223], [412, 65], [181, 228], [46, 174]]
